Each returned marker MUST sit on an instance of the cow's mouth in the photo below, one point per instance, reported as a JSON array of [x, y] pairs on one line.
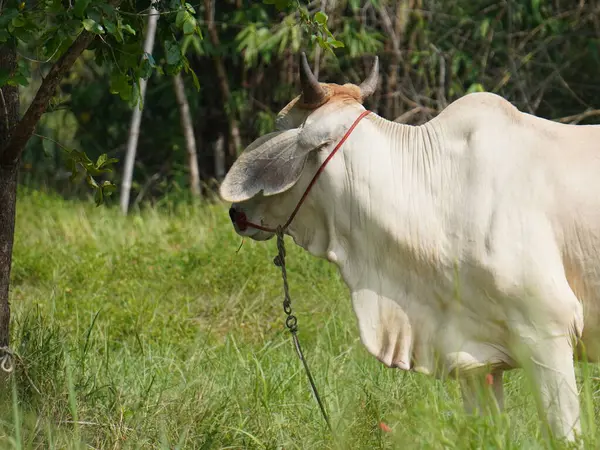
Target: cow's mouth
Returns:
[[244, 228]]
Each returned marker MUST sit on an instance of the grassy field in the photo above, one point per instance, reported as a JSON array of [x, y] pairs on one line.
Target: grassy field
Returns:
[[152, 332]]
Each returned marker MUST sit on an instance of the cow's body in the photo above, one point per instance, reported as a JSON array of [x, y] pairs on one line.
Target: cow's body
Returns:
[[471, 242]]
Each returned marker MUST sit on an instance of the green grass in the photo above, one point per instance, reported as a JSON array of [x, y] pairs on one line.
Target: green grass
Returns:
[[152, 332]]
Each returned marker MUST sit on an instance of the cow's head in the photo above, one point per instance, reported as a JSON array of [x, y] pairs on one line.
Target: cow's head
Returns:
[[267, 180]]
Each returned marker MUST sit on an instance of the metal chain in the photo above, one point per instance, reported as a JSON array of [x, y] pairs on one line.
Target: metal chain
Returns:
[[6, 359], [292, 323]]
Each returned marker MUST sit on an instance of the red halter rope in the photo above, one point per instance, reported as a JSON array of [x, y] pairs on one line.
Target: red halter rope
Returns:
[[242, 222]]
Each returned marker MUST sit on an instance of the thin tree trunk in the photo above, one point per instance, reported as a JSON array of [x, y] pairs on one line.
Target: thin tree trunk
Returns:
[[8, 196], [219, 153], [234, 129], [188, 132], [395, 31], [136, 118], [9, 116], [317, 66]]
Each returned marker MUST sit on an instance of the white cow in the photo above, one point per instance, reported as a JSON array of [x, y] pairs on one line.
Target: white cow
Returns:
[[470, 244]]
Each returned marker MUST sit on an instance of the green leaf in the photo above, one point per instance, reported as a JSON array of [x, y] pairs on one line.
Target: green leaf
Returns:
[[48, 147], [7, 16], [107, 10], [321, 18], [145, 69], [92, 26], [128, 28], [72, 167], [195, 80], [484, 27], [108, 188], [111, 27], [181, 18], [119, 84], [18, 21], [173, 53], [335, 43], [101, 160], [99, 197], [135, 95], [80, 7], [23, 34], [91, 181], [189, 27], [18, 79], [476, 87], [94, 14]]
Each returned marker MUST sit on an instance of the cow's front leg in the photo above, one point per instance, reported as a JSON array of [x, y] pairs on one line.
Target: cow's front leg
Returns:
[[482, 391], [545, 351], [550, 367]]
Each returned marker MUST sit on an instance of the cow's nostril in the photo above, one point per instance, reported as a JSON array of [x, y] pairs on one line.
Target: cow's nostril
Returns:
[[232, 214]]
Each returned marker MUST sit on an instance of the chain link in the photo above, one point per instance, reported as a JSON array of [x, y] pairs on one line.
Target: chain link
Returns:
[[6, 360], [291, 322]]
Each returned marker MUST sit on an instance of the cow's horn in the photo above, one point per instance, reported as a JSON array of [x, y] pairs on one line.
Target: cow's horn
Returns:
[[312, 91], [368, 86]]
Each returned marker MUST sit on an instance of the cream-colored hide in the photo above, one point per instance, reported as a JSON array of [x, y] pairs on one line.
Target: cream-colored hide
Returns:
[[469, 243]]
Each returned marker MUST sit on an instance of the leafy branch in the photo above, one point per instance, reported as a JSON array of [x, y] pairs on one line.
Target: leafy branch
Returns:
[[60, 32], [77, 159], [315, 25]]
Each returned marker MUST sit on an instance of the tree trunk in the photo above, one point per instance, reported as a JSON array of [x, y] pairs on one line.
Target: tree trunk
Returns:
[[234, 129], [9, 116], [219, 153], [188, 132], [8, 196], [136, 118]]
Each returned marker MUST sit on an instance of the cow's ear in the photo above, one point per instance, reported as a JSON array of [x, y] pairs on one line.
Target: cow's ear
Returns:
[[272, 164]]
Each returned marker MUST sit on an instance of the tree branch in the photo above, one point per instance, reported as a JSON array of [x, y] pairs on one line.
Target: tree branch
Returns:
[[24, 129], [26, 126], [579, 117]]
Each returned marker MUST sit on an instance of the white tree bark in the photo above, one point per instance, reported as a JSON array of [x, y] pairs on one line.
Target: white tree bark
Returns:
[[220, 158], [188, 132], [136, 118]]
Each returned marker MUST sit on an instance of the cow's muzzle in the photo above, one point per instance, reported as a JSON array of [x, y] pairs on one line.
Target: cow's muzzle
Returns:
[[238, 218]]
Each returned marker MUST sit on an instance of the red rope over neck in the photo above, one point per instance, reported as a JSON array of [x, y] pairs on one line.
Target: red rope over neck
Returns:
[[243, 223]]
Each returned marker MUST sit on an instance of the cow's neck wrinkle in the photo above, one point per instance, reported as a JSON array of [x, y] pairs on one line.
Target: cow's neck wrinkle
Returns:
[[381, 193], [396, 197]]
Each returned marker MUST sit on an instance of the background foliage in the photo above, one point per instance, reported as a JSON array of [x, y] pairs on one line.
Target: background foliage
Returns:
[[541, 55]]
